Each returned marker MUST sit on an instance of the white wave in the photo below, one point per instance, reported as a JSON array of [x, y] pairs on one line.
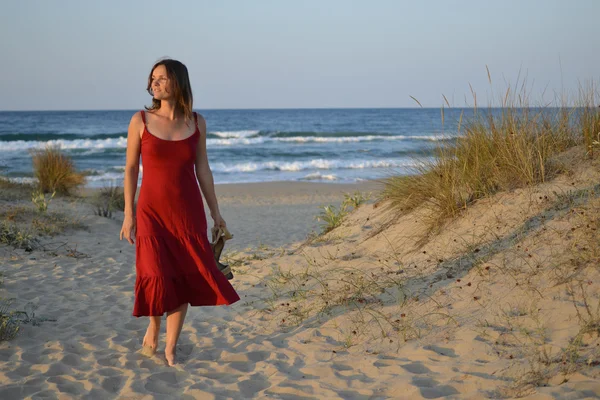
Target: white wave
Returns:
[[109, 143], [307, 165], [234, 134], [316, 139], [22, 179], [90, 152], [318, 176], [121, 142], [236, 141], [106, 176], [367, 138]]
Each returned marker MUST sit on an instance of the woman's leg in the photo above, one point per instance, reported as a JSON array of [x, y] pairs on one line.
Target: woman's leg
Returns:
[[175, 320], [150, 342]]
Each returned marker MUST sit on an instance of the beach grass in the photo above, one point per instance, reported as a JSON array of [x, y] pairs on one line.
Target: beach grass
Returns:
[[495, 152], [332, 216], [108, 199], [55, 171], [14, 191]]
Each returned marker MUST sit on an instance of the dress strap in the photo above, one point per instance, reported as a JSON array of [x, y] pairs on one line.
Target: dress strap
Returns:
[[196, 118], [143, 116]]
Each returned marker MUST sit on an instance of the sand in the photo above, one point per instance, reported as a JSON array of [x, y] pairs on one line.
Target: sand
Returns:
[[367, 311]]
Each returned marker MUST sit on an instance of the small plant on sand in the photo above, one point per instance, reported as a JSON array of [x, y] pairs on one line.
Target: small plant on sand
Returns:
[[55, 171], [588, 314], [356, 199], [38, 198], [108, 199], [324, 288], [54, 223], [10, 321], [332, 216], [12, 235], [11, 191], [9, 325]]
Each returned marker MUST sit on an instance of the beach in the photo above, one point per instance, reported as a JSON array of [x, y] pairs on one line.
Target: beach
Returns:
[[83, 341], [389, 321], [412, 191], [278, 214]]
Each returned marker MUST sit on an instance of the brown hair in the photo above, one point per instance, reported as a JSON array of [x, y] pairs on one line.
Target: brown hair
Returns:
[[180, 82]]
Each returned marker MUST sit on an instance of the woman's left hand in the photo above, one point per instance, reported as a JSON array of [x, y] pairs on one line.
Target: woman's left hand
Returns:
[[219, 221]]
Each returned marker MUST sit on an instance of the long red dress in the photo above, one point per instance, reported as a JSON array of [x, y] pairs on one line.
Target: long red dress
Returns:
[[174, 260]]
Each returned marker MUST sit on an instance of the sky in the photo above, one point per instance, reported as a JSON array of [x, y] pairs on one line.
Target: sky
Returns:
[[84, 55]]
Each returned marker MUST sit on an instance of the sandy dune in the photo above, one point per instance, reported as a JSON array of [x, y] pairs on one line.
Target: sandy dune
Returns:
[[368, 311]]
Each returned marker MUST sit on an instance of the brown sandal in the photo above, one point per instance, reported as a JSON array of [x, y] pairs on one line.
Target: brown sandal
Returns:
[[220, 235]]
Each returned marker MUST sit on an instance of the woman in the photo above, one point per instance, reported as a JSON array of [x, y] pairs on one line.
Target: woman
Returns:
[[174, 261]]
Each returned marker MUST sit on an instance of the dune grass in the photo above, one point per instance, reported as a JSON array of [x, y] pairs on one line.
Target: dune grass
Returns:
[[108, 199], [41, 202], [496, 150], [332, 217], [14, 191], [9, 326], [55, 171], [588, 118]]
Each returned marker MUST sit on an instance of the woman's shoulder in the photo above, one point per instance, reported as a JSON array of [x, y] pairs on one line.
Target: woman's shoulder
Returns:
[[200, 121], [200, 118], [137, 117], [141, 116]]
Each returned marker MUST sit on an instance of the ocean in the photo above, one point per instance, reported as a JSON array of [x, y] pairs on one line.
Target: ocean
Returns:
[[319, 145]]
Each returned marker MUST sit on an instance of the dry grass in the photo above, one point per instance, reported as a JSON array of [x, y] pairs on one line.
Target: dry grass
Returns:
[[497, 150], [13, 235], [369, 300], [9, 326], [11, 320], [13, 191], [55, 171], [21, 226], [108, 199], [589, 117]]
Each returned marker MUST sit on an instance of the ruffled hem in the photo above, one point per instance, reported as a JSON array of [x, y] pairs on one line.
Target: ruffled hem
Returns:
[[172, 271]]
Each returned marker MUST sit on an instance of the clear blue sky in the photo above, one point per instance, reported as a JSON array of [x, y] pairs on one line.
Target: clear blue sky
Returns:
[[81, 54]]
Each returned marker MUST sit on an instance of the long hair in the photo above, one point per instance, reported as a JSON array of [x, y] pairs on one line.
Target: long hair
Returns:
[[180, 83]]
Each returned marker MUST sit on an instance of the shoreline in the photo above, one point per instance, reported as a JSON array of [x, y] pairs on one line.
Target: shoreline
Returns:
[[287, 187], [273, 214]]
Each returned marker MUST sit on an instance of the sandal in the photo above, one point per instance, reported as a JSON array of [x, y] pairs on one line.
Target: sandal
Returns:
[[220, 235]]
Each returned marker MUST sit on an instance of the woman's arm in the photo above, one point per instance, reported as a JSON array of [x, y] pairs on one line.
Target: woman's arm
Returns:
[[132, 168], [132, 162], [203, 172]]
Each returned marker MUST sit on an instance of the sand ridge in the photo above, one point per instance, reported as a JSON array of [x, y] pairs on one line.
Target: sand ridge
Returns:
[[404, 319]]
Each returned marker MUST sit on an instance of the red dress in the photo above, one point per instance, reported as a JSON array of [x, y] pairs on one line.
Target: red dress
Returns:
[[174, 260]]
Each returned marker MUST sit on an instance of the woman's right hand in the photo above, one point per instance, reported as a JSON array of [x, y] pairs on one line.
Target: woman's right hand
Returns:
[[128, 229]]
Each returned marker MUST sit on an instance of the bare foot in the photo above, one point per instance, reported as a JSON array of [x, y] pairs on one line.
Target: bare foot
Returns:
[[150, 342], [171, 356]]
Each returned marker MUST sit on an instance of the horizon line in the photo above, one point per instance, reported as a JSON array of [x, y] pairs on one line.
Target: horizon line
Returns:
[[289, 108]]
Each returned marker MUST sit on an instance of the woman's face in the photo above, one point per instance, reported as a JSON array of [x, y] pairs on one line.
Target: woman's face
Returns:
[[160, 83]]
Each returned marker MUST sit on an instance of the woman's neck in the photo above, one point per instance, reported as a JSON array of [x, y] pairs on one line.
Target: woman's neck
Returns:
[[168, 110]]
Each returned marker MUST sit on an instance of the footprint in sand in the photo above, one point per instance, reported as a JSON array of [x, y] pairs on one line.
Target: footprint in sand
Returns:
[[109, 372], [65, 385], [255, 384], [430, 389], [416, 368], [442, 351], [113, 384]]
